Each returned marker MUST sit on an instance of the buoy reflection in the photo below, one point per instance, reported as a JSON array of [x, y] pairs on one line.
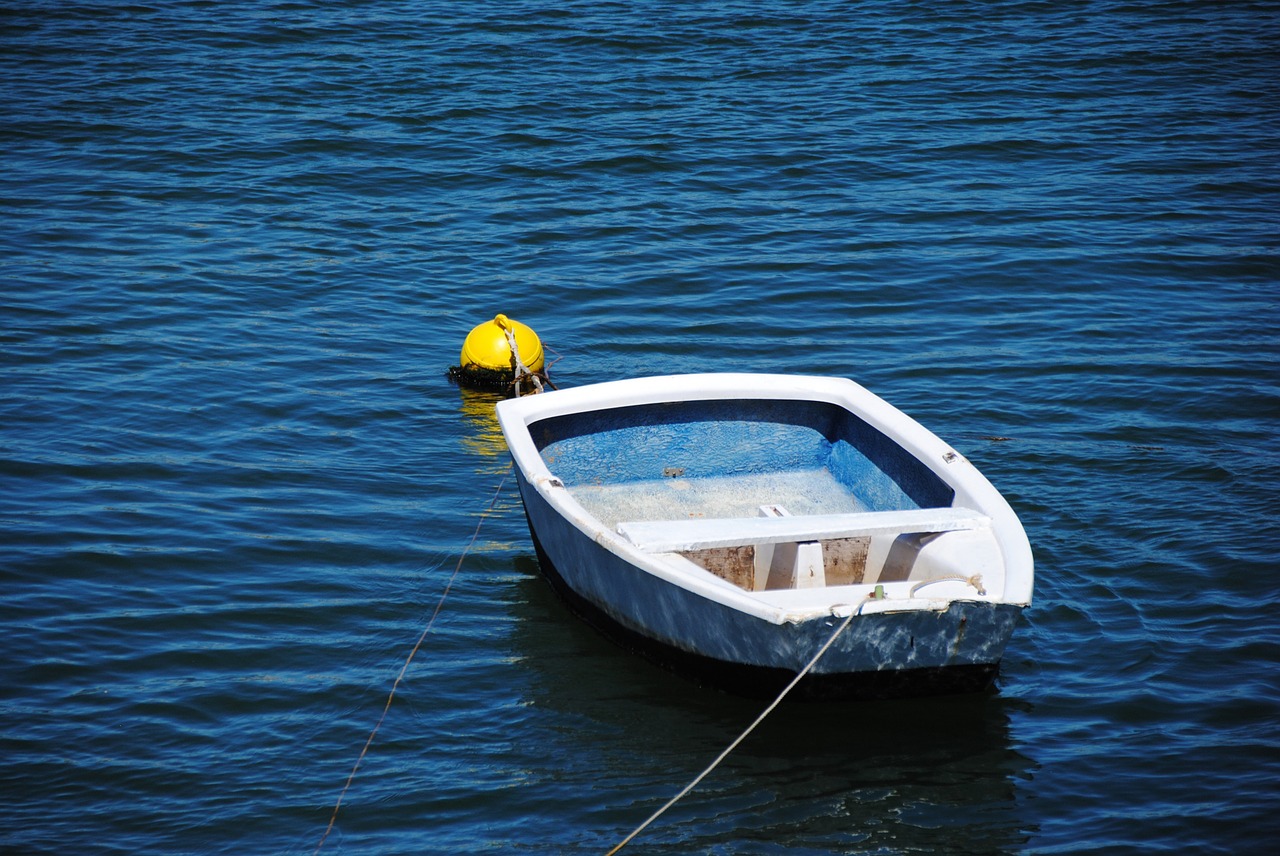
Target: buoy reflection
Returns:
[[484, 437]]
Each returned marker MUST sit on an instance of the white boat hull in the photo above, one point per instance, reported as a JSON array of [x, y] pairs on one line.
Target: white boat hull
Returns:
[[906, 642]]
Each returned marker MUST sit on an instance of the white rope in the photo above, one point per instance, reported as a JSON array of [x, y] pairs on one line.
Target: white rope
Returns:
[[743, 735], [522, 371]]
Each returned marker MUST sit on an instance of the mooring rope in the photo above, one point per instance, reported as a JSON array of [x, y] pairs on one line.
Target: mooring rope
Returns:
[[743, 735], [405, 668], [521, 372]]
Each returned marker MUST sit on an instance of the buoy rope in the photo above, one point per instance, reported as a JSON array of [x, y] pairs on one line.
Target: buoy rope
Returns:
[[743, 736], [405, 668], [521, 372]]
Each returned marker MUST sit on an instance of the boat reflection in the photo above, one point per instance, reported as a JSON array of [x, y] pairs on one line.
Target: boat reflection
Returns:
[[938, 774]]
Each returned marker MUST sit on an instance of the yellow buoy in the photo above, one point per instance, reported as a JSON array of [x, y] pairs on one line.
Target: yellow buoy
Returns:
[[488, 347], [489, 361]]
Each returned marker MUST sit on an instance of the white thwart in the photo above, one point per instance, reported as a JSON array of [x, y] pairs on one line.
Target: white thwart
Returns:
[[675, 536]]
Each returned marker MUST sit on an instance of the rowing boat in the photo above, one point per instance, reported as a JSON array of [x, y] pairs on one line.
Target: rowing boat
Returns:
[[723, 524]]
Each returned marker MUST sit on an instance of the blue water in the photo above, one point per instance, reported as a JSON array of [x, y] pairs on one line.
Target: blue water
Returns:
[[243, 241]]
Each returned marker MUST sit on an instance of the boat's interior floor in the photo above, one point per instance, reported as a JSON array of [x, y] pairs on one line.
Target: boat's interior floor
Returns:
[[800, 492]]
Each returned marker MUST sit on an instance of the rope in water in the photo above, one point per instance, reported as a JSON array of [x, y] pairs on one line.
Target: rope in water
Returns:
[[743, 735], [405, 668]]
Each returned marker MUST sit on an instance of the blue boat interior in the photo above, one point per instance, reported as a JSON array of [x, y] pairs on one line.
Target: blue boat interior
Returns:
[[729, 458]]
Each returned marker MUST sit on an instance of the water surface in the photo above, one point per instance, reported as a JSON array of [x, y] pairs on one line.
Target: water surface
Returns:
[[242, 242]]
